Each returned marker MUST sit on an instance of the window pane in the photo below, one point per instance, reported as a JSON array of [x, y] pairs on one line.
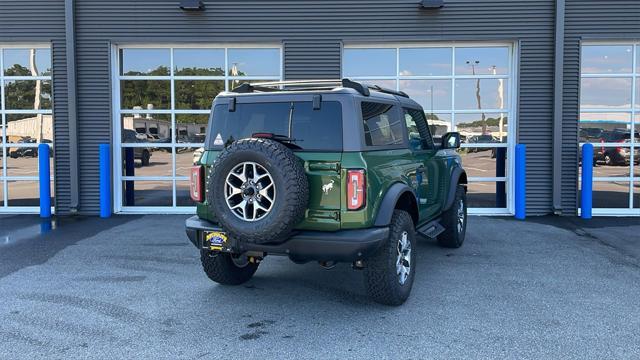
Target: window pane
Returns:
[[607, 59], [147, 193], [487, 194], [484, 162], [27, 94], [607, 93], [481, 94], [482, 61], [636, 194], [610, 161], [369, 62], [431, 94], [23, 193], [29, 128], [638, 89], [1, 193], [154, 129], [381, 125], [439, 124], [198, 62], [425, 62], [27, 62], [146, 162], [484, 128], [145, 94], [186, 158], [197, 95], [191, 128], [610, 194], [155, 62], [183, 195], [604, 127], [254, 62]]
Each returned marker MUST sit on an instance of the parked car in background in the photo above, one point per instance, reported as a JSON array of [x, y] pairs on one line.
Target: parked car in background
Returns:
[[480, 139], [616, 155], [139, 153], [18, 152]]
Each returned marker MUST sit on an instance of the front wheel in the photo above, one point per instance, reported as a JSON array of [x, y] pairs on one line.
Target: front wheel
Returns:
[[454, 221], [390, 271], [227, 269]]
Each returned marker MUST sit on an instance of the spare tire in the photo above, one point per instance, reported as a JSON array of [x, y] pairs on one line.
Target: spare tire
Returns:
[[258, 191]]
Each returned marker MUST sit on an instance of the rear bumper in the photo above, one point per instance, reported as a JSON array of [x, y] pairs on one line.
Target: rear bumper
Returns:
[[302, 246]]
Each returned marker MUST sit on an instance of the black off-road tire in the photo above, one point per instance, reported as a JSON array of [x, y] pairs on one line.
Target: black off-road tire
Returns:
[[146, 158], [453, 235], [221, 268], [380, 274], [291, 188]]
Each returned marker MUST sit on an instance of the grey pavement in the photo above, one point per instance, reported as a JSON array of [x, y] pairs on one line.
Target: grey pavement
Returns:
[[132, 287]]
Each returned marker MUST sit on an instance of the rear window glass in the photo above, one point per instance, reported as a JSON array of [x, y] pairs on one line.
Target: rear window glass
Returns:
[[308, 129], [382, 127]]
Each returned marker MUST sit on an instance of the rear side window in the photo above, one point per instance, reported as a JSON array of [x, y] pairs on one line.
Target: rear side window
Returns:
[[418, 131], [308, 129], [382, 127]]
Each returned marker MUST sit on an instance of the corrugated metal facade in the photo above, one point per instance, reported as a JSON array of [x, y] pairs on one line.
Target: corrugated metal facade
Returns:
[[42, 21], [613, 20], [312, 33]]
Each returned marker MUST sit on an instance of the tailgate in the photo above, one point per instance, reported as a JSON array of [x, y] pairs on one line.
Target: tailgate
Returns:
[[323, 173]]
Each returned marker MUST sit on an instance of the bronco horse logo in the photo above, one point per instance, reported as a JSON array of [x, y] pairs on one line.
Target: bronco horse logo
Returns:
[[327, 187]]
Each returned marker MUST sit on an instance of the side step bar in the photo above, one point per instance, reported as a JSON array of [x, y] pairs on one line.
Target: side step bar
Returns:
[[431, 229]]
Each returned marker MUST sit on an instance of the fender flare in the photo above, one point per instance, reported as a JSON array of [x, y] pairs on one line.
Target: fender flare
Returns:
[[388, 204], [457, 176]]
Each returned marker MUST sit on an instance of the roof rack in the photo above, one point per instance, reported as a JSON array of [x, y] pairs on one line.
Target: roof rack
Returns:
[[306, 85]]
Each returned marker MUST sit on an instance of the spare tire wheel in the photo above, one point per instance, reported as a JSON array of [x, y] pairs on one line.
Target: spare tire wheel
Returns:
[[259, 190]]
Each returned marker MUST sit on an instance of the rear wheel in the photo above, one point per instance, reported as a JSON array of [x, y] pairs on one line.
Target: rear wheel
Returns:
[[227, 269], [390, 271], [454, 221]]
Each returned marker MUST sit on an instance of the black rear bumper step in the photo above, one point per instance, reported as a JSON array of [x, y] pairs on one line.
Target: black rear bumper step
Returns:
[[303, 246]]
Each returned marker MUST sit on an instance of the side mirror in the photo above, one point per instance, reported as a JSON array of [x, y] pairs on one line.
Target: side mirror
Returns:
[[451, 140]]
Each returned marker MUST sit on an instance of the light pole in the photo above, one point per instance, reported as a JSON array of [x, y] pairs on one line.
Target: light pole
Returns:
[[473, 65]]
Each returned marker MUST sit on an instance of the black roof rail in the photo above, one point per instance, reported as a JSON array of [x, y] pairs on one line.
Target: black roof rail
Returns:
[[305, 85]]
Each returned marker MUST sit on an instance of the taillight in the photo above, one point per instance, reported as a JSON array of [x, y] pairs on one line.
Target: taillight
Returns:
[[197, 188], [356, 189]]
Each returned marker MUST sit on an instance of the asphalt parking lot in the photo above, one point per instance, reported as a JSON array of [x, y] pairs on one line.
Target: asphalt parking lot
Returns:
[[132, 287]]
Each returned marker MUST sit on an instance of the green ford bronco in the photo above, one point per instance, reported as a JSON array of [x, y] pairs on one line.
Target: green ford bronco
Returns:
[[327, 171]]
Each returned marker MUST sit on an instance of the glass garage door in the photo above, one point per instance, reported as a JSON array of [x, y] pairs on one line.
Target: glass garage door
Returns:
[[610, 120], [27, 121], [162, 97], [464, 88]]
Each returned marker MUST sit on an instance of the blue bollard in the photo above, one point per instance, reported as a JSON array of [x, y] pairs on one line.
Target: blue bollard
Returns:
[[521, 181], [45, 181], [129, 171], [586, 193], [501, 171], [105, 180]]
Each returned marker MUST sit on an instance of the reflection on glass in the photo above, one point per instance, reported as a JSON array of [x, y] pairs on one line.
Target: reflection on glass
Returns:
[[27, 62], [605, 93], [484, 161], [197, 95], [23, 193], [149, 62], [154, 129], [613, 160], [481, 94], [425, 61], [431, 94], [483, 128], [29, 128], [254, 62], [145, 94], [369, 62], [27, 94], [186, 158], [22, 162], [191, 128], [198, 62], [636, 195], [147, 193], [486, 194], [610, 194], [482, 61], [183, 195], [146, 162], [439, 124], [607, 59], [604, 127], [1, 192], [637, 102]]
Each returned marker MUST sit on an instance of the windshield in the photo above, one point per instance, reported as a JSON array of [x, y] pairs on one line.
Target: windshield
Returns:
[[296, 122]]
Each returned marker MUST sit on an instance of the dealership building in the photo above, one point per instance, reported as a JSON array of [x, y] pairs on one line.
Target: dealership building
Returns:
[[141, 76]]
